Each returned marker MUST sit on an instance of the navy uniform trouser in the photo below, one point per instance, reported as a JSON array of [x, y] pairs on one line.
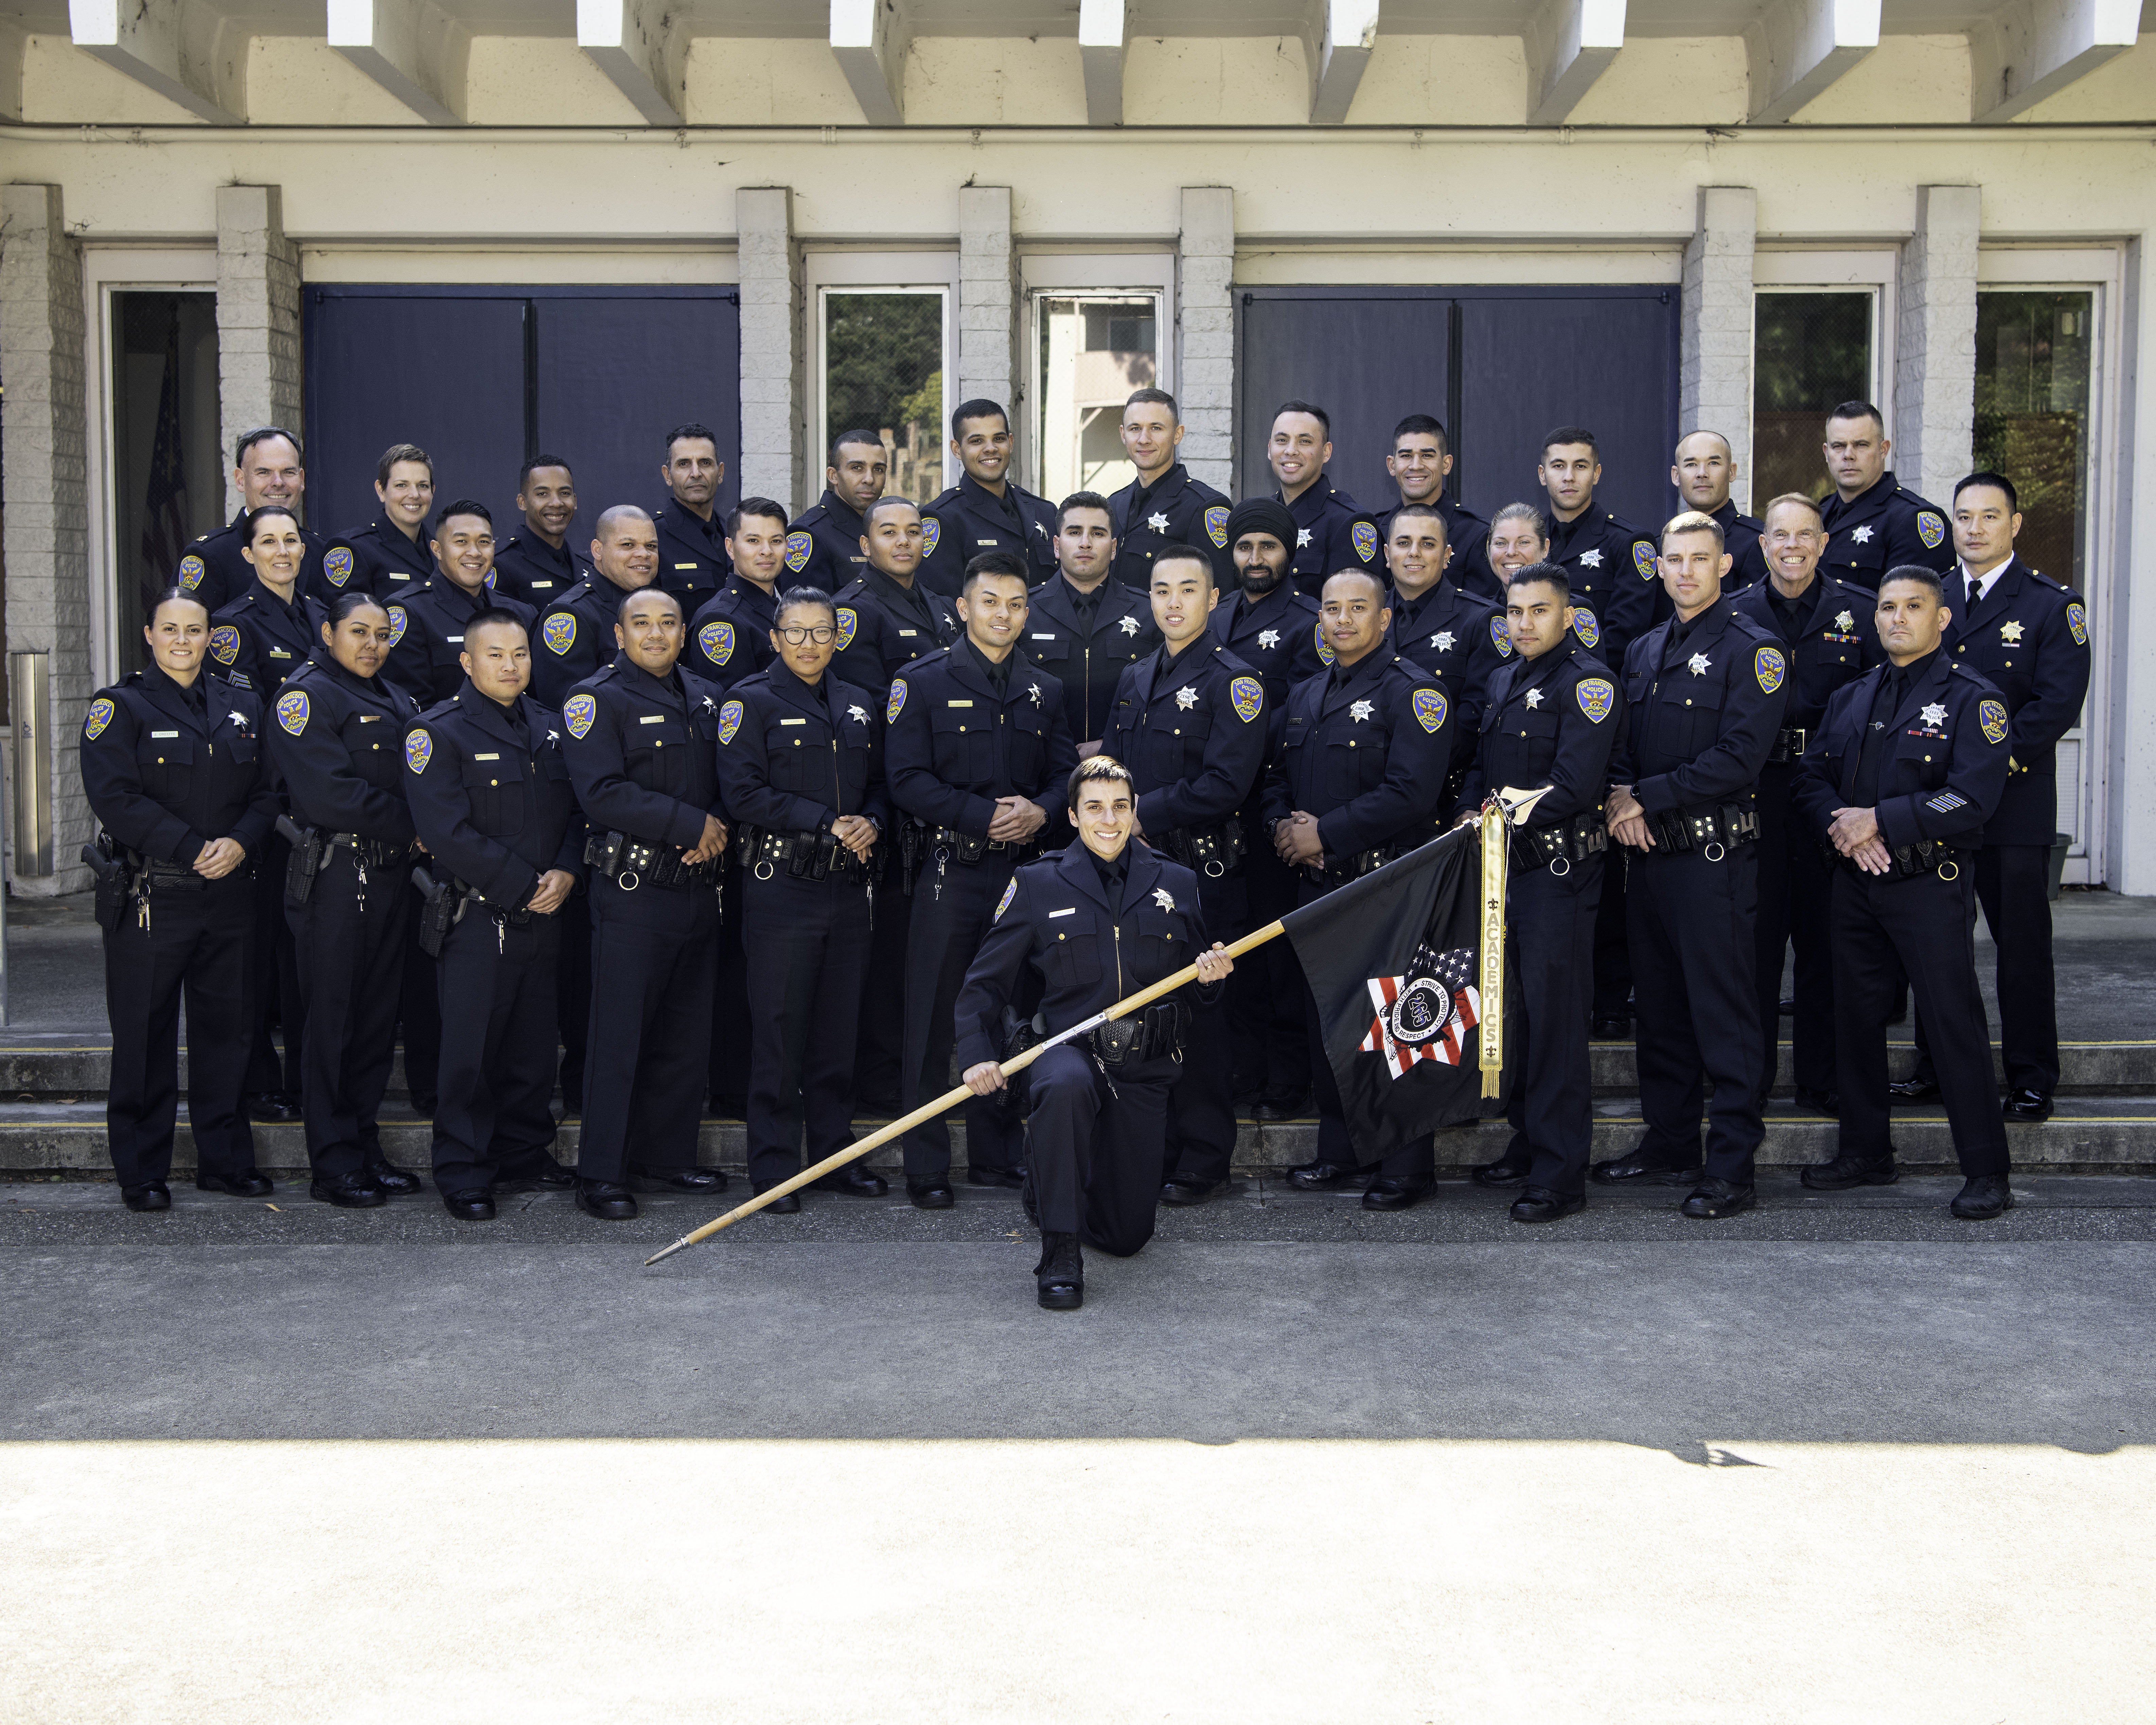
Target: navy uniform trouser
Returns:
[[728, 1075], [952, 907], [1689, 920], [1883, 929], [1265, 1012], [1795, 881], [807, 945], [573, 991], [497, 1070], [653, 951], [351, 944], [2012, 884], [1615, 981], [276, 979], [880, 1035], [1551, 1105], [1415, 1162], [200, 941], [1201, 1108], [419, 1011], [1094, 1146]]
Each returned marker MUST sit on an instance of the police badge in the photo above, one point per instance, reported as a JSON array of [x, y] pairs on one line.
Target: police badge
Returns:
[[897, 701], [1931, 528], [1643, 560], [718, 641], [1500, 637], [1430, 709], [578, 712], [418, 750], [1586, 625], [799, 547], [1597, 695], [1247, 696], [1002, 904], [398, 624], [224, 644], [1324, 652], [931, 531], [1991, 716], [847, 623], [190, 572], [1366, 540], [2077, 622], [1216, 525], [730, 720], [1768, 666], [559, 632], [292, 710], [100, 715], [336, 565]]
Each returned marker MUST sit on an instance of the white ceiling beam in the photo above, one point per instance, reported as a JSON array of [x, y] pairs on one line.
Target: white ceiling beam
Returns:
[[628, 41], [408, 48], [1351, 34], [1570, 43], [1798, 47], [868, 41], [1100, 55], [2029, 49], [152, 44]]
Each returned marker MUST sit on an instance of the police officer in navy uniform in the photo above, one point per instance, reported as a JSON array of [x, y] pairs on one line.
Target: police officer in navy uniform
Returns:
[[801, 759], [1420, 463], [538, 565], [1701, 470], [1872, 523], [336, 741], [824, 548], [1164, 508], [987, 509], [730, 638], [2030, 639], [172, 767], [1704, 694], [641, 750], [489, 795], [1554, 715], [978, 761], [1333, 531], [1085, 628], [388, 557], [1609, 564], [1823, 626], [427, 625], [1098, 920], [1357, 777], [1190, 722], [267, 469], [576, 632], [1901, 777], [1450, 634], [1272, 627], [692, 548]]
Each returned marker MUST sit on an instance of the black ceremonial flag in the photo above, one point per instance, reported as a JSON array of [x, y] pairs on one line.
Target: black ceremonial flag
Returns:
[[1391, 960]]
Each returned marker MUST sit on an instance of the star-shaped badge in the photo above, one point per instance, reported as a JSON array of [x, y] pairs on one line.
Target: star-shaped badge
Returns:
[[1862, 535], [1590, 560], [1268, 639], [1844, 622], [1129, 625], [1302, 538], [1935, 713], [1157, 521], [1699, 663], [1186, 697], [858, 714], [1534, 697], [710, 705], [2011, 633], [1442, 640], [1163, 897], [1033, 692], [1360, 711]]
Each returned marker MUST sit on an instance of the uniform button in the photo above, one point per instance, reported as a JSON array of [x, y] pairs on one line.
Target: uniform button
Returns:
[[1927, 757], [494, 780]]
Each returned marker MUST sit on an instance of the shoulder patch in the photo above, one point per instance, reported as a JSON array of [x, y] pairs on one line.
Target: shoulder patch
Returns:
[[897, 705], [1597, 695], [730, 720], [1643, 560], [2077, 622], [1366, 540], [224, 644], [1324, 652], [1216, 525], [190, 572], [418, 749], [292, 710], [799, 548], [1770, 667], [398, 623], [559, 632], [100, 714], [1247, 696], [1500, 637], [932, 533], [1586, 625], [1991, 716], [849, 622], [336, 565], [1931, 528], [717, 640], [579, 712], [1430, 709], [1002, 904]]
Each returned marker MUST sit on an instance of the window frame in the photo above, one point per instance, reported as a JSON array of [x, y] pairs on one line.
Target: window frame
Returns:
[[824, 272], [1060, 274]]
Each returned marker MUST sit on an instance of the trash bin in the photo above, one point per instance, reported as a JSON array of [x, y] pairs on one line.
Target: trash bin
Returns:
[[2061, 843]]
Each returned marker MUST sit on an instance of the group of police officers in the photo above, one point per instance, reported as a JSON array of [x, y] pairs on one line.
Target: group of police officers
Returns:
[[784, 814]]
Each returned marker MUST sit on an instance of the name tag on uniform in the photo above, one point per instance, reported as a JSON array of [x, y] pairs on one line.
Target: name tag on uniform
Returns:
[[486, 757], [984, 541], [542, 586], [279, 653], [452, 637], [164, 733], [685, 566], [653, 719], [1072, 912], [370, 718], [400, 577], [792, 722], [909, 631], [1049, 636], [961, 703]]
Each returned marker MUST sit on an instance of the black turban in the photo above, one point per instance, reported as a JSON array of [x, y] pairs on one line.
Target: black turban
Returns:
[[1261, 515]]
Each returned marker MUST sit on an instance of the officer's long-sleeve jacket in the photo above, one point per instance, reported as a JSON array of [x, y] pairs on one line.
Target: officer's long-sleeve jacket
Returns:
[[338, 743], [1740, 538], [884, 626], [1945, 766], [1088, 655], [693, 563], [164, 781], [730, 638], [1195, 740], [1882, 528], [1837, 641], [1453, 635], [1179, 511], [1553, 720], [1276, 634], [794, 759], [427, 636], [528, 569], [953, 743], [1332, 532], [642, 753], [1368, 755], [824, 547], [575, 637], [1616, 576], [1701, 715], [961, 523], [493, 806], [257, 641], [377, 559], [216, 571]]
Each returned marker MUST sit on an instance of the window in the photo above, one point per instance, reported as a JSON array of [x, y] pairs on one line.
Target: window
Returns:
[[1094, 351], [167, 472], [883, 367], [1811, 350], [2033, 353]]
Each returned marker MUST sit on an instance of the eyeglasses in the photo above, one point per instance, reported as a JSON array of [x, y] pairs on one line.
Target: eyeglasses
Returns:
[[823, 635]]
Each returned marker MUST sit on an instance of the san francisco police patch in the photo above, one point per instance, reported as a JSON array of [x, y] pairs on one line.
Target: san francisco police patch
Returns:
[[1770, 667], [799, 547], [1430, 709], [1216, 525], [847, 623], [100, 715], [1931, 528], [418, 750], [2077, 623], [1991, 715], [897, 703], [1586, 625], [931, 531], [1597, 695], [398, 624], [1366, 540], [579, 713], [1643, 560], [730, 720], [559, 632], [1324, 652], [224, 644], [1248, 694], [718, 641], [292, 710], [336, 565], [1500, 637], [190, 572], [1002, 904]]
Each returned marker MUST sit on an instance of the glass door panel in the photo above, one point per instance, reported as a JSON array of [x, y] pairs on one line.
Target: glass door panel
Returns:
[[1095, 350], [883, 365], [1810, 352]]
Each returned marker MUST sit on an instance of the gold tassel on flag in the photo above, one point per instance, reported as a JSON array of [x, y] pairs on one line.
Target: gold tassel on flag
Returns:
[[1507, 807]]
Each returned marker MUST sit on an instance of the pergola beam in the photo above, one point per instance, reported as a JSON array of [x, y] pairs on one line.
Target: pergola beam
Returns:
[[1798, 47], [868, 41], [2029, 49], [409, 49], [152, 44], [1570, 44], [628, 41]]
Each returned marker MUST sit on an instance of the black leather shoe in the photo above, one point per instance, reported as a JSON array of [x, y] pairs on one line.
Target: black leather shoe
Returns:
[[1284, 1105], [394, 1180], [856, 1180], [1713, 1199], [1498, 1173], [1320, 1176], [930, 1194], [1819, 1102], [149, 1195], [1382, 1194], [1027, 1197], [349, 1191], [1613, 1027], [1640, 1166], [252, 1183], [1060, 1276], [1538, 1204], [1914, 1090], [703, 1180], [2031, 1105], [1790, 1007], [1845, 1171], [1183, 1192], [545, 1175], [1983, 1196], [605, 1200], [267, 1105], [1010, 1178], [470, 1206], [423, 1101], [787, 1206]]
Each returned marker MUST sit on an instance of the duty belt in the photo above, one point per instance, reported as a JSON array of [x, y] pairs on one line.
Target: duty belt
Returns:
[[630, 862], [1788, 746], [1150, 1034], [810, 856], [368, 853], [1214, 851], [1355, 867], [1928, 856], [1712, 829], [966, 848], [1558, 848]]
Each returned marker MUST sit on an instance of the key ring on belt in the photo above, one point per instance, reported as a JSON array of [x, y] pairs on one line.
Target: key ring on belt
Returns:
[[1560, 865], [1949, 865], [1714, 851], [763, 869]]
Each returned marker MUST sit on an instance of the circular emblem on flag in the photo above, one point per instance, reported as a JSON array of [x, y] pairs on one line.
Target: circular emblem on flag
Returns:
[[1216, 525], [559, 632], [931, 531], [2077, 622], [336, 565], [418, 749], [1586, 625], [847, 623], [579, 711], [718, 641], [1421, 1011], [1991, 715], [398, 621], [897, 701], [1500, 637], [190, 572], [799, 546], [1324, 652], [730, 720], [224, 644], [1248, 696], [1768, 666], [1430, 709], [292, 710], [100, 715], [1931, 528], [1643, 560], [1366, 540], [1002, 904], [1597, 695]]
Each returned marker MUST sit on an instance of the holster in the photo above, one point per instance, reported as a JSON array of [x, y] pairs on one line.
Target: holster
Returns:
[[444, 903], [1154, 1034], [1788, 746], [309, 848], [1712, 829], [1558, 848], [808, 856], [108, 860], [630, 862], [912, 846]]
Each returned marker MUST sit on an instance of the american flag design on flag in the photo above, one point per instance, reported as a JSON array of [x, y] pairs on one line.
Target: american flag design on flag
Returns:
[[1428, 1015]]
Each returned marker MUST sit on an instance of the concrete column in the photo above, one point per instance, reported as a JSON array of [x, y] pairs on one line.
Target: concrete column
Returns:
[[988, 297], [258, 320], [771, 413], [1714, 376], [46, 545], [1205, 309], [1935, 419]]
